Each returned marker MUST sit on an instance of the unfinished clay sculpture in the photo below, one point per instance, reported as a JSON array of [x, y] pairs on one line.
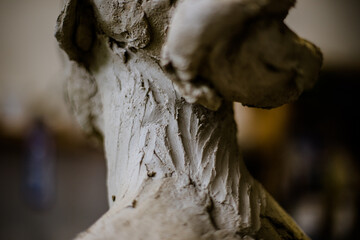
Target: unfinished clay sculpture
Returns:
[[156, 80]]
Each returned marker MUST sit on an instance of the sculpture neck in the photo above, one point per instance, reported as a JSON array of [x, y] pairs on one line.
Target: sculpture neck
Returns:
[[158, 136], [152, 134]]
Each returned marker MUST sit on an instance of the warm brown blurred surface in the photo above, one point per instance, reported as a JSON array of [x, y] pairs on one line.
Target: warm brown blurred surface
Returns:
[[52, 178]]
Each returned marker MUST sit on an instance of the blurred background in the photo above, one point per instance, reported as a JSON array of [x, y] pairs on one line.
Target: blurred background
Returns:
[[52, 178]]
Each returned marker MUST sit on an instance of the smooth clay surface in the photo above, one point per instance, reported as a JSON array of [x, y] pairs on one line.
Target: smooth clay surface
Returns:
[[155, 80]]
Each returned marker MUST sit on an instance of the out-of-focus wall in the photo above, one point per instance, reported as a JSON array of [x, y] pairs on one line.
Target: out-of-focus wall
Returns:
[[53, 185], [31, 78], [332, 25]]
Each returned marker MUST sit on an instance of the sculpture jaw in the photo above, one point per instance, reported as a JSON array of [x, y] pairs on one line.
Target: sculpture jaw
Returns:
[[239, 51]]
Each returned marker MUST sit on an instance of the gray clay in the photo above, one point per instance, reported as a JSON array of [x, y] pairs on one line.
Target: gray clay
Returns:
[[155, 79]]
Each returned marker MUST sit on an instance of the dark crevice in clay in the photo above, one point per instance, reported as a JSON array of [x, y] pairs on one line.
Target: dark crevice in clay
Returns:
[[75, 30], [113, 42], [210, 211]]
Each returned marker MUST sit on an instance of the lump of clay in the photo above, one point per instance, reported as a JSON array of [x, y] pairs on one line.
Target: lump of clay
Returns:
[[123, 21], [240, 51]]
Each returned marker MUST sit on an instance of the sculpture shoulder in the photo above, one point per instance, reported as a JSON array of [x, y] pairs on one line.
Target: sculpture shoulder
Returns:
[[164, 210], [159, 213]]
